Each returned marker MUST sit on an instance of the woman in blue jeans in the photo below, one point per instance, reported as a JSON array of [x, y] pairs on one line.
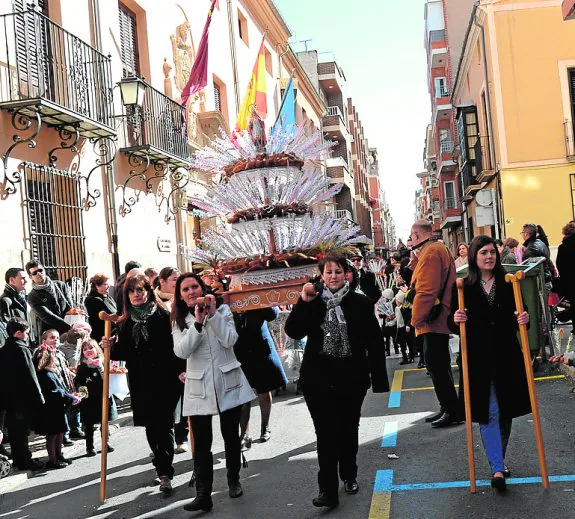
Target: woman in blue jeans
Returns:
[[497, 378]]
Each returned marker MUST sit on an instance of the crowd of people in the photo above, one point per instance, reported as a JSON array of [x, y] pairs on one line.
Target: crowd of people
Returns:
[[189, 358]]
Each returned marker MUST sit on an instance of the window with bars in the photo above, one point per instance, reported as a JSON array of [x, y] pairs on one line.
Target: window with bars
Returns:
[[129, 42], [55, 223]]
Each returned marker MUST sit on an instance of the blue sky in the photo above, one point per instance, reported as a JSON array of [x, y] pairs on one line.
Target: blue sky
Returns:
[[380, 46]]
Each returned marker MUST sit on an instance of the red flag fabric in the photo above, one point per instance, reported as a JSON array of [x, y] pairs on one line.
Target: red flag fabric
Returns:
[[199, 74]]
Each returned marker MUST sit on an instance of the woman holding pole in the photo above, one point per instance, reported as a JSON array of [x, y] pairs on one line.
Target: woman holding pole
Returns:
[[497, 377]]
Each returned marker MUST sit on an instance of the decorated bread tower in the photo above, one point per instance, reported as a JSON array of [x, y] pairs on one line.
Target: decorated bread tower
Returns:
[[270, 238]]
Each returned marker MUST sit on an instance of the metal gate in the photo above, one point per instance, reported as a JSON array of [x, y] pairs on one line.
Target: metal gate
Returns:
[[54, 208]]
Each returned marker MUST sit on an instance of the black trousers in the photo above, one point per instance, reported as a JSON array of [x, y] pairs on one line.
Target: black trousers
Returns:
[[161, 441], [388, 333], [18, 425], [181, 431], [335, 415], [203, 439], [438, 363]]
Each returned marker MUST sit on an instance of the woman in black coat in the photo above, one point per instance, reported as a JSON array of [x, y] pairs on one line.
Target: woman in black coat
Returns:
[[343, 357], [261, 364], [98, 301], [154, 372], [497, 378]]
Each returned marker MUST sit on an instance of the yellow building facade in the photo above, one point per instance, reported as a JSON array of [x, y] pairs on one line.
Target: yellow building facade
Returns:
[[518, 70]]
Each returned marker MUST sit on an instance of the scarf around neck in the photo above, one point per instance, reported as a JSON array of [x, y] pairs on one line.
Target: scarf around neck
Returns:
[[48, 287], [20, 296], [140, 316], [335, 338]]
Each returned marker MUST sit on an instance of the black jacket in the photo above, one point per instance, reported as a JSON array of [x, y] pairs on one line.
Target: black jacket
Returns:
[[96, 303], [12, 304], [494, 352], [368, 285], [566, 267], [535, 248], [52, 416], [19, 387], [153, 370], [91, 407], [365, 366], [49, 311]]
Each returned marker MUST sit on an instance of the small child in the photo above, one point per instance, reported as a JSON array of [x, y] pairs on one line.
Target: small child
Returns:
[[89, 376], [52, 338], [389, 327], [402, 334], [51, 421]]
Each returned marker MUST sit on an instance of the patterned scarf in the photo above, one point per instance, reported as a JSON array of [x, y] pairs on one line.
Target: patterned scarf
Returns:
[[48, 287], [140, 316], [335, 339]]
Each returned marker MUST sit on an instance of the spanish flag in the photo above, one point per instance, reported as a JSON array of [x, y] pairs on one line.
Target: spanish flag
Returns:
[[255, 98]]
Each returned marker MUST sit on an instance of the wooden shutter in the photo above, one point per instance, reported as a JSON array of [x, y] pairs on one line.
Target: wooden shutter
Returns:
[[129, 42], [217, 98], [31, 40]]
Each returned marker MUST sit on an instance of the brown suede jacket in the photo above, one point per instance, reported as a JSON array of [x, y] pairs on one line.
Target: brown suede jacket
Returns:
[[434, 274]]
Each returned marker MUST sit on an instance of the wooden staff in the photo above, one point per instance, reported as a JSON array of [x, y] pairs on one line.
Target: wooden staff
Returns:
[[108, 320], [466, 390], [515, 280]]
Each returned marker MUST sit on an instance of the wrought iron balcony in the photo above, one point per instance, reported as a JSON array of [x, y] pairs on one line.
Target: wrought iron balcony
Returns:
[[449, 203], [50, 75], [157, 131]]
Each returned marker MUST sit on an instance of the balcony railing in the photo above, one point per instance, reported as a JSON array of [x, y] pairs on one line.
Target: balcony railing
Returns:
[[334, 111], [343, 214], [39, 60], [158, 127], [441, 92], [449, 203], [446, 146], [569, 130]]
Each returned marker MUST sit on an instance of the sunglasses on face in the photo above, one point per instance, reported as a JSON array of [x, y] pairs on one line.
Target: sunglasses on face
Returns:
[[39, 271]]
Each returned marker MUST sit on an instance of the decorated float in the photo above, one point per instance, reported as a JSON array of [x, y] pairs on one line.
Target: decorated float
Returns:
[[268, 194]]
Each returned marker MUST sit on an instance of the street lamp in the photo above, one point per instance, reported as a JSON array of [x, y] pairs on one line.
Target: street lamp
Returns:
[[132, 90]]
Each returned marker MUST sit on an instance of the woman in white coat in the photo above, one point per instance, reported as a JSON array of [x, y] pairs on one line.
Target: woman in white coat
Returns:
[[215, 383]]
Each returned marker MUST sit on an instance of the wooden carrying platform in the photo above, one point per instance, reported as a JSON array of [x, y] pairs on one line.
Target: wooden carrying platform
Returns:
[[252, 297]]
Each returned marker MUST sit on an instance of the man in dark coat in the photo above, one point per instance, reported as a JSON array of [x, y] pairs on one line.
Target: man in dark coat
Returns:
[[13, 299], [49, 300], [20, 393], [367, 282], [535, 248], [566, 265]]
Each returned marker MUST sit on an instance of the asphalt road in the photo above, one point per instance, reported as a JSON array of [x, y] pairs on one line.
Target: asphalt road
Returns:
[[280, 481]]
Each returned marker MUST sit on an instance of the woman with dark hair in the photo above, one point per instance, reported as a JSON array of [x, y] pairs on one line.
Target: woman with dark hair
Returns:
[[98, 300], [343, 357], [462, 255], [166, 285], [542, 236], [566, 265], [205, 335], [145, 342], [497, 379]]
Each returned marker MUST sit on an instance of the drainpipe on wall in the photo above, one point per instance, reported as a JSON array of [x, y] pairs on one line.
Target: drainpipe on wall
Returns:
[[108, 171], [492, 155], [233, 51]]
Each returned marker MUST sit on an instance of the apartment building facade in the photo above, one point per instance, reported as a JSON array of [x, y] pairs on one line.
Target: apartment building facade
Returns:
[[517, 139], [90, 179]]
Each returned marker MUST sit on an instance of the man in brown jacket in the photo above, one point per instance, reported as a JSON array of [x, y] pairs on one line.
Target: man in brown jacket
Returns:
[[432, 281]]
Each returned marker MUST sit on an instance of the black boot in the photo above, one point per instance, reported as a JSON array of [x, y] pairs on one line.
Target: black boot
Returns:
[[404, 361], [204, 472], [233, 465], [90, 451]]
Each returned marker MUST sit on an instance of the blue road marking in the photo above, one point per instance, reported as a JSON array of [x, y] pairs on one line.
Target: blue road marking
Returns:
[[394, 399], [384, 482], [390, 434]]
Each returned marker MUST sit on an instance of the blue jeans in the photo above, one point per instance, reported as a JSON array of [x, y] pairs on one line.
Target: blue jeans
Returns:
[[495, 435]]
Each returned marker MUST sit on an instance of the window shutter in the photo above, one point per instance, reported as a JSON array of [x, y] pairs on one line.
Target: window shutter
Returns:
[[129, 42], [30, 31], [572, 93], [217, 98]]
